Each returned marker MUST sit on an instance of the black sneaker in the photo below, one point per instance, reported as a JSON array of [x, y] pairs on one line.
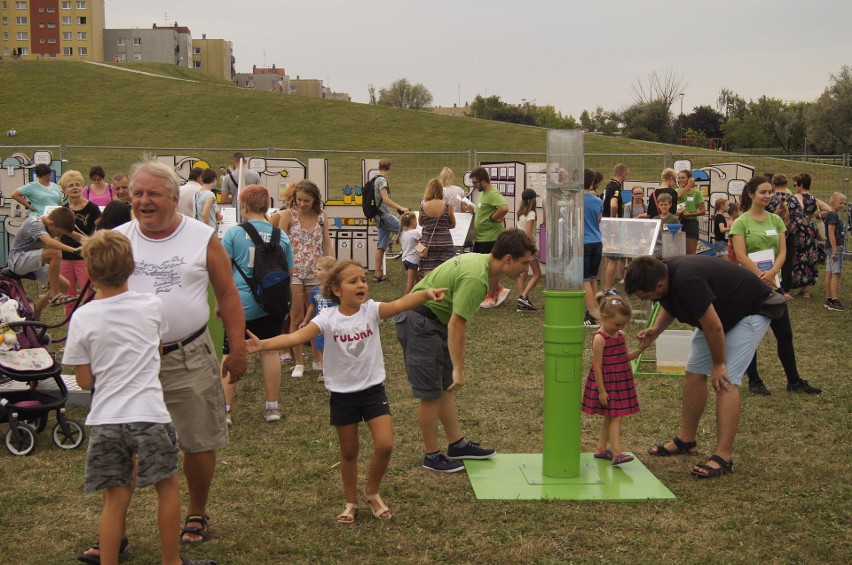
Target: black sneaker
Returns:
[[828, 302], [835, 305], [590, 321], [802, 386], [470, 451], [525, 308], [526, 302], [442, 464], [758, 388]]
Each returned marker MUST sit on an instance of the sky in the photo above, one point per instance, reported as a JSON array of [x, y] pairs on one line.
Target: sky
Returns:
[[565, 53]]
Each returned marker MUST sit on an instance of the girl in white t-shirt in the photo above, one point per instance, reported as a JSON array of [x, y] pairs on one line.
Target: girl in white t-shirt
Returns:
[[354, 371], [409, 237], [526, 223]]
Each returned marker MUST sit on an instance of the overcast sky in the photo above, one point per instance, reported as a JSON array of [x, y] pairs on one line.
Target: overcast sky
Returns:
[[569, 54]]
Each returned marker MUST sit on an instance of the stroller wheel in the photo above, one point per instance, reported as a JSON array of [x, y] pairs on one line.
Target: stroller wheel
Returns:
[[70, 440], [21, 440], [39, 423]]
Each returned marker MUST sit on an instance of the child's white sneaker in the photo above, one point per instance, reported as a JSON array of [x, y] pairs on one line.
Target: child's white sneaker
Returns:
[[317, 365], [298, 371]]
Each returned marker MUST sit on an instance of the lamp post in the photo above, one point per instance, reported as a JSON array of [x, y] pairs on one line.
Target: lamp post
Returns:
[[681, 117]]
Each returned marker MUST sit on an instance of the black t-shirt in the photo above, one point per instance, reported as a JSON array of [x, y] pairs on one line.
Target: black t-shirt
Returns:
[[719, 219], [697, 281], [85, 220], [652, 205], [612, 190]]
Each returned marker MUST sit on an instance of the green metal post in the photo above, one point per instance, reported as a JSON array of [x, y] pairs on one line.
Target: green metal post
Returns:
[[563, 382]]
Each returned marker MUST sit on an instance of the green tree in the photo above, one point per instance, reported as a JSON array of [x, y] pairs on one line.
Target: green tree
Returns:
[[745, 133], [829, 119], [403, 94], [586, 121], [649, 121]]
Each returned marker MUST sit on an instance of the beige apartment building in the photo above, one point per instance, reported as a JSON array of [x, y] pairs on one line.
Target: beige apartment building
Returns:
[[214, 57], [52, 29], [170, 44]]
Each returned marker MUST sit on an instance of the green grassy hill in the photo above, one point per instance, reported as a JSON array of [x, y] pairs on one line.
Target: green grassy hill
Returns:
[[78, 104]]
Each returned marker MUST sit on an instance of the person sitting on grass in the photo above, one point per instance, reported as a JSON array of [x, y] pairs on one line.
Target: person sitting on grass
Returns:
[[128, 416], [37, 251], [354, 373]]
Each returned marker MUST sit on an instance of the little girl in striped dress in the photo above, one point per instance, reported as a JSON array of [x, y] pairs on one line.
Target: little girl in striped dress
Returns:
[[610, 390]]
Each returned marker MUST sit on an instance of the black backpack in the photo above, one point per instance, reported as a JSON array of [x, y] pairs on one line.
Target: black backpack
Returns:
[[270, 282], [369, 200]]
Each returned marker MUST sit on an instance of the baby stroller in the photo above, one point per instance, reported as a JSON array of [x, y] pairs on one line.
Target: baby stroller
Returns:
[[25, 358], [27, 410]]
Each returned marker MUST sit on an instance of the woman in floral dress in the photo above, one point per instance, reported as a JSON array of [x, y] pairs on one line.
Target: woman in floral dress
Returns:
[[437, 219], [803, 207]]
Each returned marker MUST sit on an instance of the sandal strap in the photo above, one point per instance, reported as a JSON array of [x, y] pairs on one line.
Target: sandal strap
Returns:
[[684, 445], [721, 462]]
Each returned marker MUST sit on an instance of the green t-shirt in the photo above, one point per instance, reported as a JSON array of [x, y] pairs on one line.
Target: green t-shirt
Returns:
[[759, 235], [466, 279], [692, 200], [489, 202]]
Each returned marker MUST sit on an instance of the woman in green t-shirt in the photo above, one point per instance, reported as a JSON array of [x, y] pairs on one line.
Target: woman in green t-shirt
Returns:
[[690, 207], [757, 230]]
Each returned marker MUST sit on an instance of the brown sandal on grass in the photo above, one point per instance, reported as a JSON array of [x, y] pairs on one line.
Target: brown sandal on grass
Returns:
[[350, 512], [382, 512], [681, 448]]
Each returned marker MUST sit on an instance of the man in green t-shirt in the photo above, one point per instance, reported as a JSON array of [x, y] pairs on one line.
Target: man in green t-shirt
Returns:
[[488, 223], [433, 342]]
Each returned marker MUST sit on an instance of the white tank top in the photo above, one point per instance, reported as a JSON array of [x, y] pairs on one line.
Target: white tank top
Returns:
[[175, 269]]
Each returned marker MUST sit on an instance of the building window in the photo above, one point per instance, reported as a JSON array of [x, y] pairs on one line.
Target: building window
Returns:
[[51, 40], [197, 50], [122, 57], [81, 5], [22, 36], [51, 56], [66, 6], [21, 20], [5, 36], [120, 41], [67, 51], [51, 9], [20, 5], [66, 36], [196, 64], [24, 50], [41, 10], [5, 49], [82, 50], [81, 20], [81, 35], [137, 41], [51, 26], [41, 40], [66, 20], [5, 20], [137, 56]]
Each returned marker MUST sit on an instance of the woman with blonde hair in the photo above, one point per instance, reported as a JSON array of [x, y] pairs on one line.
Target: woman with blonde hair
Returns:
[[452, 193], [436, 220]]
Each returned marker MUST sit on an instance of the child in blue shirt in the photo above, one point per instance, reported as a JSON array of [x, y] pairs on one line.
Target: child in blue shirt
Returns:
[[316, 304]]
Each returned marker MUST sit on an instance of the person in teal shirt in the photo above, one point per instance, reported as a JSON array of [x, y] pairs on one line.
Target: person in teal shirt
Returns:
[[488, 223], [34, 196]]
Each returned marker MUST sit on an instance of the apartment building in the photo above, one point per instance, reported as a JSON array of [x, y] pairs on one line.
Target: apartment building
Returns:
[[52, 29], [214, 57], [172, 45]]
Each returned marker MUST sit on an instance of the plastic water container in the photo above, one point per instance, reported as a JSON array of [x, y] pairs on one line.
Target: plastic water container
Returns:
[[673, 347], [629, 237]]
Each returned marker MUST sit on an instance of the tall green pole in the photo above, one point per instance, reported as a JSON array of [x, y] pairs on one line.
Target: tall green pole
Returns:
[[564, 334], [564, 305]]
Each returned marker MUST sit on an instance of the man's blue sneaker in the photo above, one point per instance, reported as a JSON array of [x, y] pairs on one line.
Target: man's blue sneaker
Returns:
[[442, 464], [470, 451]]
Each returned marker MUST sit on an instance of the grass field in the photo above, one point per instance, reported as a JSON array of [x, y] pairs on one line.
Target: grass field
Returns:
[[276, 492], [105, 116]]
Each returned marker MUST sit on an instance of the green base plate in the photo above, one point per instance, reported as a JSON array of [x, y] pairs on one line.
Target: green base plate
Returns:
[[518, 476]]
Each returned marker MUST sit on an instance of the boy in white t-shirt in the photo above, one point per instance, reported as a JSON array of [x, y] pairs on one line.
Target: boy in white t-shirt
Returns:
[[128, 415]]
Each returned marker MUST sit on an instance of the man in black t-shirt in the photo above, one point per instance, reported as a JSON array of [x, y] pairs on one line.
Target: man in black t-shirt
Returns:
[[722, 301], [613, 207]]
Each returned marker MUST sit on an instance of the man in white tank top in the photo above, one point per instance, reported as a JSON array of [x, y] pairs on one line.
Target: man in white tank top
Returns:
[[176, 257]]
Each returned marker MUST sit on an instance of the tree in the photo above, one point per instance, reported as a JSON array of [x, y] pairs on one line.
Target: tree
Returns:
[[829, 119], [586, 121], [665, 87], [744, 133], [492, 108], [732, 104], [704, 119], [649, 121], [372, 90], [403, 94], [600, 122]]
